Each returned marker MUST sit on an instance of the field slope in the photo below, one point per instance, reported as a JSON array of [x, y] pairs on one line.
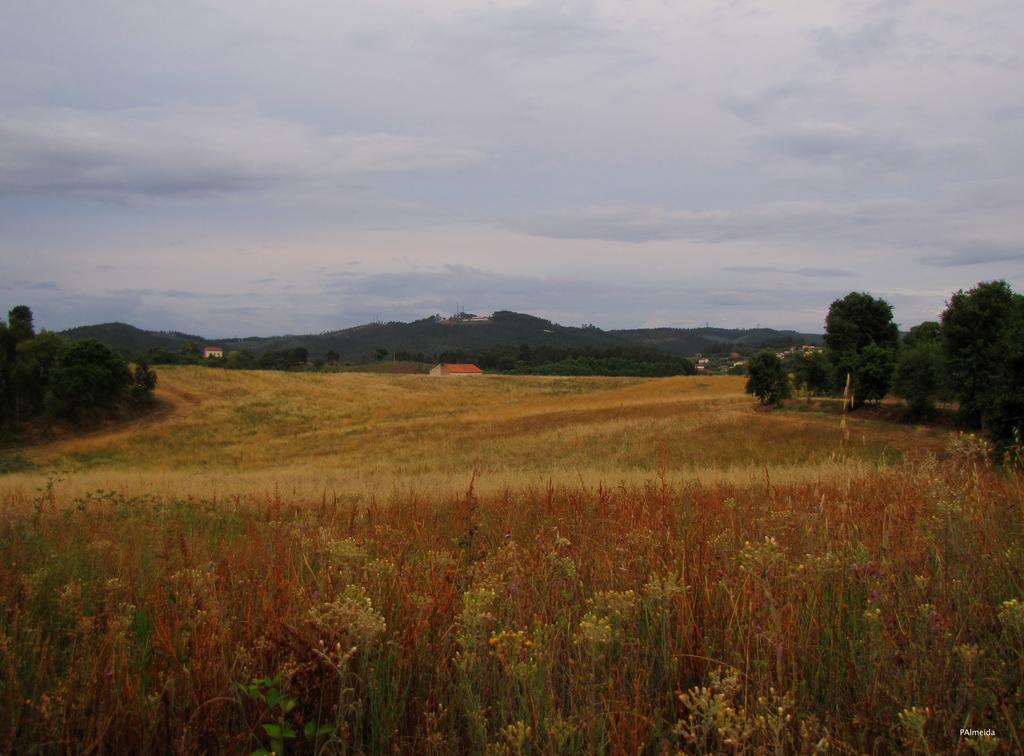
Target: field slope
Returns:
[[367, 433], [355, 563]]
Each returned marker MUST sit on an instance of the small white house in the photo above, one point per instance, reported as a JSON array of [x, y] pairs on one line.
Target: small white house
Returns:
[[213, 352]]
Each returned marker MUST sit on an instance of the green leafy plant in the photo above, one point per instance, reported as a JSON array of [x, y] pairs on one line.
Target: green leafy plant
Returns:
[[268, 691]]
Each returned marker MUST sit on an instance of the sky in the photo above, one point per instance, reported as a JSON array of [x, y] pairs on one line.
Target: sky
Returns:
[[248, 167]]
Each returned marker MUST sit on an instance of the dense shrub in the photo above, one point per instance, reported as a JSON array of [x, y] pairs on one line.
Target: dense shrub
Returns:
[[88, 374], [767, 379], [45, 373]]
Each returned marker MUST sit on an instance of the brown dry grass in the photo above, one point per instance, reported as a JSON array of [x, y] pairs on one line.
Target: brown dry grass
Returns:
[[363, 434], [506, 565]]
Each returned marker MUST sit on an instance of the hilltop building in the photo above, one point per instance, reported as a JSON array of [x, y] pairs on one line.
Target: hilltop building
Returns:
[[452, 369]]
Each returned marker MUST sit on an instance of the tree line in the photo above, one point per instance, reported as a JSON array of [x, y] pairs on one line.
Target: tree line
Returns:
[[557, 360], [45, 374], [973, 356], [521, 359]]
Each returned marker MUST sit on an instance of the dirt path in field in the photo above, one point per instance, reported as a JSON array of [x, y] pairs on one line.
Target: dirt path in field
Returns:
[[172, 403]]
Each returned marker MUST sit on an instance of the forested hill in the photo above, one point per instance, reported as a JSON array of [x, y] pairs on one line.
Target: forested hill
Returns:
[[685, 341], [431, 337]]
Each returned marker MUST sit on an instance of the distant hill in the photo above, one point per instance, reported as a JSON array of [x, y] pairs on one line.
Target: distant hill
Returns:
[[131, 340], [432, 336], [686, 341]]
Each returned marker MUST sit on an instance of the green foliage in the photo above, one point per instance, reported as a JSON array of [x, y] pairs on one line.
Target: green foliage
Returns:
[[767, 378], [872, 375], [853, 324], [284, 359], [813, 372], [143, 382], [46, 373], [918, 376], [6, 391], [190, 352], [551, 360], [859, 319], [88, 374], [1004, 412], [19, 323], [976, 337], [422, 339], [241, 359], [927, 332], [35, 359], [267, 691]]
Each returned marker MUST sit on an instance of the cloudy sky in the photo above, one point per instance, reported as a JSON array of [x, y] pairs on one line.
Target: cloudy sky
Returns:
[[247, 167]]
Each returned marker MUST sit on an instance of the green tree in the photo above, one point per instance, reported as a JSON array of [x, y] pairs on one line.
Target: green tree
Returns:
[[927, 332], [19, 323], [974, 337], [918, 376], [7, 347], [35, 358], [87, 375], [852, 324], [189, 352], [241, 360], [767, 379], [813, 373], [143, 382], [872, 375], [1003, 414], [859, 319]]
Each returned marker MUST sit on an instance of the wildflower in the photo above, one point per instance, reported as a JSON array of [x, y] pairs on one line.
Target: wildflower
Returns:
[[350, 617], [1011, 615], [594, 631]]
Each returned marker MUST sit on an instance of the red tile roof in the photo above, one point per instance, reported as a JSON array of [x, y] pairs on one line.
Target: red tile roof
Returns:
[[460, 367]]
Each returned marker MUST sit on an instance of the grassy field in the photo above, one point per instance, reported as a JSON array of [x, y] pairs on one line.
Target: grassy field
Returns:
[[394, 563], [226, 432]]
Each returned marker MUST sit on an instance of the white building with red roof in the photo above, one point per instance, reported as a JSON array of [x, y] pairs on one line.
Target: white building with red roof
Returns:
[[455, 369]]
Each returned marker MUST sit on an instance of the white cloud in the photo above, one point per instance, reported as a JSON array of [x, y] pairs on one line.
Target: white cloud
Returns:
[[176, 150], [687, 161]]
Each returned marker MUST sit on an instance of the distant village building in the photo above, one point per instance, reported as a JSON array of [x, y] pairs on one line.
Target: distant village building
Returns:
[[215, 352], [455, 369]]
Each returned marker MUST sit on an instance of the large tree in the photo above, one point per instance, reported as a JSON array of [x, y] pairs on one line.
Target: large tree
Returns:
[[854, 323], [975, 328], [1004, 415], [859, 319], [35, 358]]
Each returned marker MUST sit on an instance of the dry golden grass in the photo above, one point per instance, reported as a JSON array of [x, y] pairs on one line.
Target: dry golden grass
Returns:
[[222, 432], [299, 563]]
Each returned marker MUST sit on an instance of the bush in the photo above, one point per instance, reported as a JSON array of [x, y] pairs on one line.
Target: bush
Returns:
[[88, 374], [143, 382], [767, 379]]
